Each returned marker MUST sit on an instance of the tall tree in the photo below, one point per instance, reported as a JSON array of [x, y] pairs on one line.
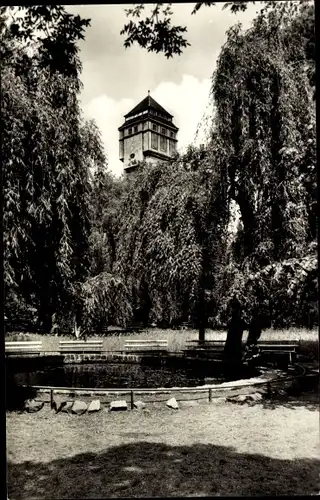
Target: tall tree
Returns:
[[45, 163], [266, 121], [172, 242]]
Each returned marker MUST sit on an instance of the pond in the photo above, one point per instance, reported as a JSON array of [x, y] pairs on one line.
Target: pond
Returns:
[[116, 375]]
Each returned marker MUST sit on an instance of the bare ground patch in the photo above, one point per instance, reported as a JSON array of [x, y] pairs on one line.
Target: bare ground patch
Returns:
[[206, 450]]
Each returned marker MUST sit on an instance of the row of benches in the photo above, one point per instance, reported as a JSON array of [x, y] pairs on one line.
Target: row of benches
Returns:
[[96, 346], [287, 347], [82, 346]]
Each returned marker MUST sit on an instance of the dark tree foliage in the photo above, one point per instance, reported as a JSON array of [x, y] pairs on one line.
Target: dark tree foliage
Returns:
[[44, 37], [156, 33], [45, 163], [104, 296], [266, 121], [171, 245], [105, 202]]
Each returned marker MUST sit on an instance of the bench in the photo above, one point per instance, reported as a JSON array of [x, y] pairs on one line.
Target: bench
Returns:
[[23, 347], [207, 344], [204, 353], [204, 349], [146, 345], [286, 347], [80, 346]]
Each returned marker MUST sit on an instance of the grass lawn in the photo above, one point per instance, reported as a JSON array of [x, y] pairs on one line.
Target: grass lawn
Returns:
[[204, 450], [176, 338]]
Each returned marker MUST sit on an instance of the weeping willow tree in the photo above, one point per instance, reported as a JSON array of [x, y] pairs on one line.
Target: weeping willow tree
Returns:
[[45, 162], [172, 242], [104, 297], [105, 202], [105, 301], [265, 121]]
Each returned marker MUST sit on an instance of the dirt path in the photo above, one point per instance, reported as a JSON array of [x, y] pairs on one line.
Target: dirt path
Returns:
[[205, 450]]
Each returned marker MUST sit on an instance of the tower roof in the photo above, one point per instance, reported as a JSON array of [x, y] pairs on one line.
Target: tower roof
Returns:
[[146, 104]]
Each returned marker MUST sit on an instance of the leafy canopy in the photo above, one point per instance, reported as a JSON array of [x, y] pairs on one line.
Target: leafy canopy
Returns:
[[45, 161], [171, 243], [265, 121], [156, 33]]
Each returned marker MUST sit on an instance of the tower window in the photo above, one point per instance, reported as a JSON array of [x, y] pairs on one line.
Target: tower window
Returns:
[[163, 143], [154, 140], [130, 131], [171, 147], [163, 131], [154, 127], [136, 129], [172, 134]]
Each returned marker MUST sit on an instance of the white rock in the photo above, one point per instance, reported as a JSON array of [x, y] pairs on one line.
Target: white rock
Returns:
[[237, 399], [65, 407], [120, 405], [255, 397], [172, 403], [79, 407], [94, 405]]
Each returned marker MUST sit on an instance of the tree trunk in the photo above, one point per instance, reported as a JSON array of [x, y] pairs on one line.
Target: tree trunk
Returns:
[[201, 315], [233, 345], [254, 331], [202, 330], [45, 318]]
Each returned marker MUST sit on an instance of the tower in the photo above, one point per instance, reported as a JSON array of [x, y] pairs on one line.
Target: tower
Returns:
[[148, 133]]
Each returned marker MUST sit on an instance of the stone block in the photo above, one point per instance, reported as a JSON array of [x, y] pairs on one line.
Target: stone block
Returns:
[[79, 407], [65, 407], [172, 403], [119, 405], [32, 406], [94, 405], [241, 399], [255, 397]]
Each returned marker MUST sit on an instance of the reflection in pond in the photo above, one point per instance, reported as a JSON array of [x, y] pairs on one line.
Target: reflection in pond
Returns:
[[111, 375], [152, 372]]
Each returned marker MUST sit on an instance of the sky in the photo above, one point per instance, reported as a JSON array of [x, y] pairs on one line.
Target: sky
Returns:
[[115, 79]]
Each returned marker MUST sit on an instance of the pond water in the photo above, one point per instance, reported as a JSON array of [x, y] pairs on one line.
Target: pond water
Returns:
[[116, 375]]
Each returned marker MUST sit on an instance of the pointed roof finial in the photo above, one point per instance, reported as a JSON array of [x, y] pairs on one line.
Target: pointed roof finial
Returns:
[[148, 92]]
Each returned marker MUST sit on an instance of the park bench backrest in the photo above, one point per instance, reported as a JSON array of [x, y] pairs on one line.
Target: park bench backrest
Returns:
[[206, 342], [146, 344], [214, 345], [278, 347], [23, 347], [71, 346], [279, 342]]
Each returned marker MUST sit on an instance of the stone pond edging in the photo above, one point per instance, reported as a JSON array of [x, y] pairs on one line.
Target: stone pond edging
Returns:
[[242, 391], [222, 389]]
